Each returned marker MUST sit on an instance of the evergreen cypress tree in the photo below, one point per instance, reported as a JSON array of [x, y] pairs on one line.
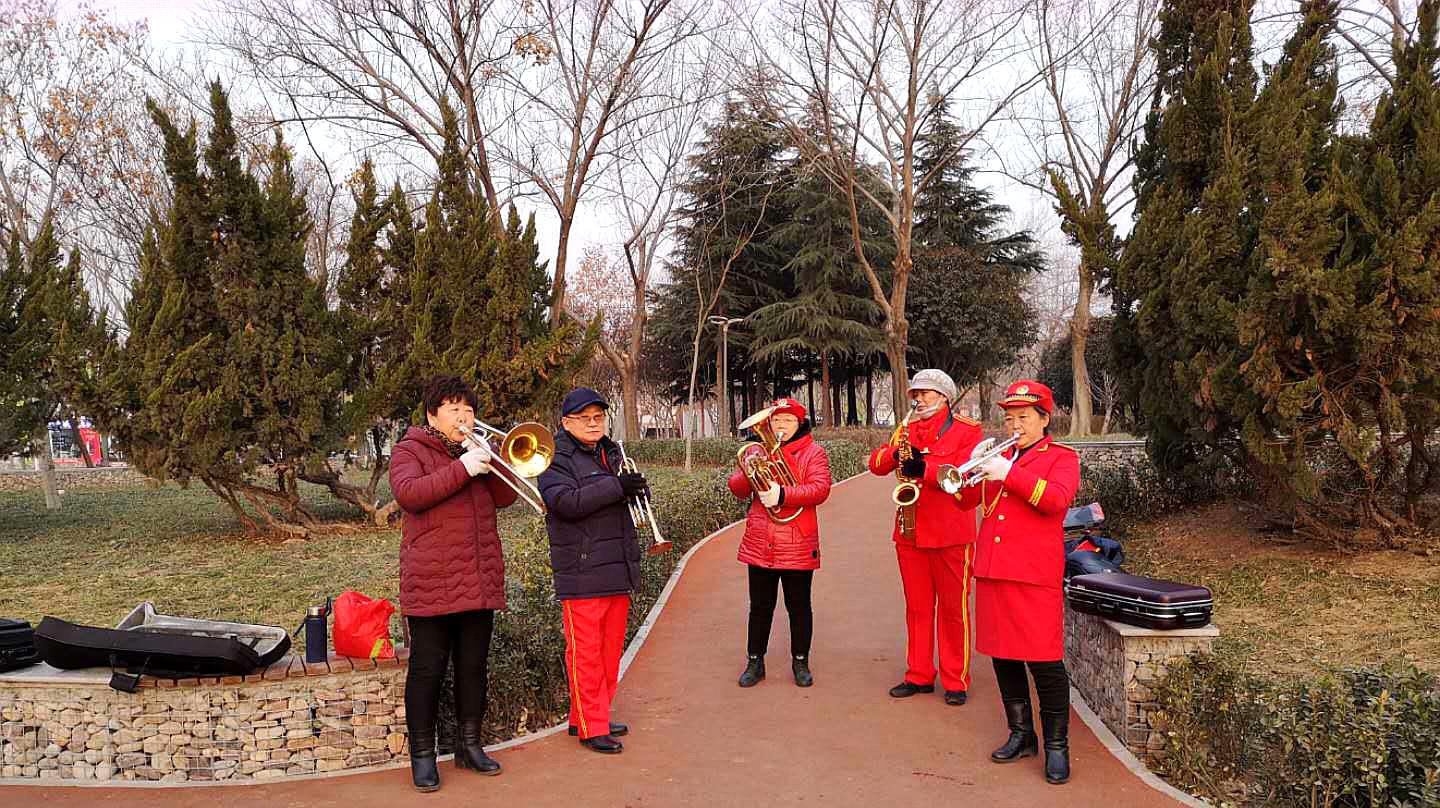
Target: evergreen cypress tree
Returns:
[[1186, 263], [475, 304], [233, 366]]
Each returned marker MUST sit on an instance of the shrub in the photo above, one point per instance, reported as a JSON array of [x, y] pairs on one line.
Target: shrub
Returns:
[[1361, 738], [1135, 490]]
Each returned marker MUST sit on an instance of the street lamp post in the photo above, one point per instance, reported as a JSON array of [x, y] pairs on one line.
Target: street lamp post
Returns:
[[723, 376]]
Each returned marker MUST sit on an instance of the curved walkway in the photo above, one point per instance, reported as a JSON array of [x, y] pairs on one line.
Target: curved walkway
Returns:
[[697, 739]]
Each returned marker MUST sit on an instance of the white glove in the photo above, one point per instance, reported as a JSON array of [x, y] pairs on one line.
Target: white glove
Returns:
[[981, 448], [996, 468], [770, 497], [477, 460]]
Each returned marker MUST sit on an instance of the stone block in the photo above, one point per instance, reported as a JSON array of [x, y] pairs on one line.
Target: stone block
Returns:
[[329, 765], [175, 777]]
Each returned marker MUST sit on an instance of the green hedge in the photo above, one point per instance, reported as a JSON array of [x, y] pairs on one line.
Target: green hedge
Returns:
[[528, 689], [721, 451], [1134, 490], [1356, 739]]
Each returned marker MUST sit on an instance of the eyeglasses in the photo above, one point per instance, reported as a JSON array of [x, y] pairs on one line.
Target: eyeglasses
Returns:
[[588, 419]]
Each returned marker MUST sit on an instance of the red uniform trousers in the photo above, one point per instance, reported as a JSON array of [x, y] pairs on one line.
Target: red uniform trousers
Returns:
[[594, 643], [942, 576]]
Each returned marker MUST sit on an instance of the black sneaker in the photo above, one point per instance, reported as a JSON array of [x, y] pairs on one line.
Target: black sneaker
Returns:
[[955, 698], [905, 690], [754, 672], [801, 666]]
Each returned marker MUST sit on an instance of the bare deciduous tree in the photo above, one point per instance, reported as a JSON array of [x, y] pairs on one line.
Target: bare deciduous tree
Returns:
[[607, 67], [872, 75], [1099, 75]]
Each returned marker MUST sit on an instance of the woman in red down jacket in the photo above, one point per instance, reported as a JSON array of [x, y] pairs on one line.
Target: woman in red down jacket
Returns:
[[452, 573], [784, 553]]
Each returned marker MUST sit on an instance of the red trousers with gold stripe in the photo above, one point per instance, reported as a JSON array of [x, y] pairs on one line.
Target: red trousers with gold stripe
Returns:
[[594, 643], [937, 580]]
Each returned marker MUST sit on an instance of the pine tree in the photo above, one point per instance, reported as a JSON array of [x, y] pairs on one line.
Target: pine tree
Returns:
[[967, 313], [830, 319]]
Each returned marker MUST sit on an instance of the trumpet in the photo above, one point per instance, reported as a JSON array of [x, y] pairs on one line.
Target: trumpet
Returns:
[[525, 451], [642, 514], [954, 478]]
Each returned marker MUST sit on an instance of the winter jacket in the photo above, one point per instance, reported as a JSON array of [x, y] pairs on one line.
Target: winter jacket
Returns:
[[940, 521], [1022, 537], [593, 550], [450, 557], [794, 545]]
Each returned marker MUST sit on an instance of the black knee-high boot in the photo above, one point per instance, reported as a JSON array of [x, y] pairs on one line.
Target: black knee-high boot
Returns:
[[423, 771], [1022, 742]]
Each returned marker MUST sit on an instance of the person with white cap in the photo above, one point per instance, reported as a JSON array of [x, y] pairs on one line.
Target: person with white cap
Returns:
[[936, 562]]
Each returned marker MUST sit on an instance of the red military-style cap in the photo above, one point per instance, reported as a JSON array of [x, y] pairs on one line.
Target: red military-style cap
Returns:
[[790, 406], [1029, 393]]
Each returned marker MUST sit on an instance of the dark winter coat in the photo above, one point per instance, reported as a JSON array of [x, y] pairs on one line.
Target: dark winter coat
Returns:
[[593, 549], [450, 557]]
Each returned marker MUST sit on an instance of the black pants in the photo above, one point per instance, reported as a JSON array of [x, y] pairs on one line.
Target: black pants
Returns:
[[764, 586], [1052, 683], [434, 641]]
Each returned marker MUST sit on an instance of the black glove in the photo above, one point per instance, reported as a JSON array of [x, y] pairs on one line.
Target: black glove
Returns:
[[634, 484], [895, 455], [914, 468]]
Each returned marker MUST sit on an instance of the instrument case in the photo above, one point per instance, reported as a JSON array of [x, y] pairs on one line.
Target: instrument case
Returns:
[[17, 645], [1140, 601]]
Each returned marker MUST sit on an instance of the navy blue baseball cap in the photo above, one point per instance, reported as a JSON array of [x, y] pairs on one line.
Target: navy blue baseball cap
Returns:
[[580, 398]]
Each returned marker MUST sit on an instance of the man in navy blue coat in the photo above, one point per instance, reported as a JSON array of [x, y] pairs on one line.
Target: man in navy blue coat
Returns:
[[595, 558]]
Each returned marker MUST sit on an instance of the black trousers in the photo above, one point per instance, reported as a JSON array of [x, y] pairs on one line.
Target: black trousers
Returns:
[[1052, 683], [764, 586], [434, 642]]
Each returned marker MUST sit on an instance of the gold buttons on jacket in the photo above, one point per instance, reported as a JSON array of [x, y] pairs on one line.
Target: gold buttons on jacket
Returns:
[[1002, 517], [997, 539]]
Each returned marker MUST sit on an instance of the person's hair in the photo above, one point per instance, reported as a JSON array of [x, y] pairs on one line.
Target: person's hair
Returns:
[[441, 389]]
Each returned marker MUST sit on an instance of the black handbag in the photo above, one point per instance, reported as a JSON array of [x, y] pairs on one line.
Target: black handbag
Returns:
[[17, 645]]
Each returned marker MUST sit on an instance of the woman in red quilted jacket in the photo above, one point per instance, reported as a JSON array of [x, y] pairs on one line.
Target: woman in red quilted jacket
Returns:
[[786, 553], [452, 573]]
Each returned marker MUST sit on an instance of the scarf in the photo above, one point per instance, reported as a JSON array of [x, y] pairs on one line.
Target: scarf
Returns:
[[453, 448]]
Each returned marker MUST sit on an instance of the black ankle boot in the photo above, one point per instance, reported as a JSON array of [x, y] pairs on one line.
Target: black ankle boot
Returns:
[[754, 672], [423, 772], [801, 665], [470, 752], [1056, 726], [1022, 741]]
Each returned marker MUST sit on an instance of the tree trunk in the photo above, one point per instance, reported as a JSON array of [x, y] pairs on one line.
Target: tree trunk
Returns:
[[825, 387], [630, 400], [46, 464], [835, 409], [870, 396], [853, 418], [1109, 410], [899, 379], [810, 395], [1079, 335], [362, 449], [80, 442], [985, 392], [562, 249]]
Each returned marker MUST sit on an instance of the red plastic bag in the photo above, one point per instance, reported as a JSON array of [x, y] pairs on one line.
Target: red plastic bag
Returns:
[[362, 627]]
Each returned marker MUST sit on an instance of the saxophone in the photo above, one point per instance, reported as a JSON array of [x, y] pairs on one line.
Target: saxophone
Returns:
[[907, 491]]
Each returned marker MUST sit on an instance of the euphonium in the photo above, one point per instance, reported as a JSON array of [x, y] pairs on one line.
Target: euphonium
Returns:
[[907, 491], [763, 463]]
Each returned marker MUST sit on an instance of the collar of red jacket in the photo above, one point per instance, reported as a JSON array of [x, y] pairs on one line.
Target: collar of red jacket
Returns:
[[926, 431], [1042, 445]]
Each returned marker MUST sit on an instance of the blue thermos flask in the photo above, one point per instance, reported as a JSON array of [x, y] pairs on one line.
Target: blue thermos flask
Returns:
[[317, 634]]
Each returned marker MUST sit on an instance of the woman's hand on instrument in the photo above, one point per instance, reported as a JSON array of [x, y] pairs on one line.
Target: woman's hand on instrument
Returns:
[[914, 468], [996, 468], [477, 460], [634, 484], [981, 448], [770, 497]]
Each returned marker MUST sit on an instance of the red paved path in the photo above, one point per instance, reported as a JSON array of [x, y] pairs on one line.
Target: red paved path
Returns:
[[697, 739]]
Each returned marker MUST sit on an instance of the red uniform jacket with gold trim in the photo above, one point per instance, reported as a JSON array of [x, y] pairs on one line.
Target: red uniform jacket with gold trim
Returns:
[[1022, 534], [940, 520]]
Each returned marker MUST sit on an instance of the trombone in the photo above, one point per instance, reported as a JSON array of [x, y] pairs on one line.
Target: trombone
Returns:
[[642, 514], [954, 478], [525, 451]]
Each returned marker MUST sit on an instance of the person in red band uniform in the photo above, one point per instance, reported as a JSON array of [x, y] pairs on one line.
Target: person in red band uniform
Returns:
[[935, 566], [1019, 572], [786, 553]]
